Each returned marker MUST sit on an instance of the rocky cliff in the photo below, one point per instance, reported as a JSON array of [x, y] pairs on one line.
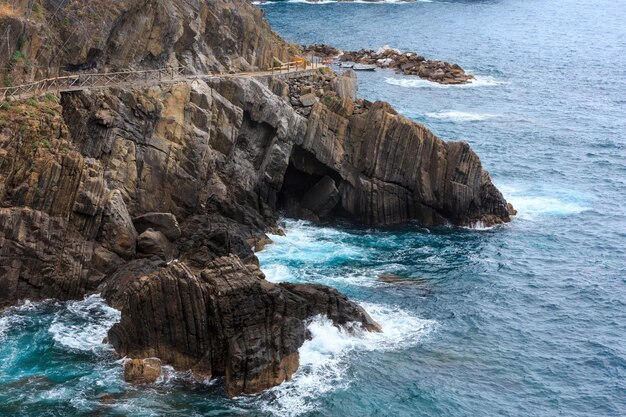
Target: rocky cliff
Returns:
[[45, 38], [158, 196], [365, 161]]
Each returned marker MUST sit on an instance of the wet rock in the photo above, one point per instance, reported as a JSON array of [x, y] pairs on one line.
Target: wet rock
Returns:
[[226, 321], [106, 398], [142, 371], [401, 280]]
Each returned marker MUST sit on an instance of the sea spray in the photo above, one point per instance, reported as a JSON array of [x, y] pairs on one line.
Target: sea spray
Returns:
[[326, 358], [82, 325], [414, 82]]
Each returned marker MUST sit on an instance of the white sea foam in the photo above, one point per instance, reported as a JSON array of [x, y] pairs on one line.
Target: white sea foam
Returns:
[[13, 316], [325, 359], [414, 82], [310, 244], [459, 116], [479, 225], [4, 326], [82, 325], [531, 202]]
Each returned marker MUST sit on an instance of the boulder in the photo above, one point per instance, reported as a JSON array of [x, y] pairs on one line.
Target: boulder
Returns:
[[307, 100], [142, 371], [153, 242], [165, 223], [322, 197]]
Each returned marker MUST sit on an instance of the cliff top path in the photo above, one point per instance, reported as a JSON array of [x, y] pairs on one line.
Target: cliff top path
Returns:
[[146, 77]]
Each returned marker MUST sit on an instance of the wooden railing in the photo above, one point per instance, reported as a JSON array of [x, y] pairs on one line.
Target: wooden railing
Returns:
[[116, 79], [83, 81], [297, 64]]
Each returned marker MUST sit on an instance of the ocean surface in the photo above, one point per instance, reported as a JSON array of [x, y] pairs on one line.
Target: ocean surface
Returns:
[[526, 319]]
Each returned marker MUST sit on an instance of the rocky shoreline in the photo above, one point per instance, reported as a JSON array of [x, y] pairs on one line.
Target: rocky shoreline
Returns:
[[407, 63], [157, 197]]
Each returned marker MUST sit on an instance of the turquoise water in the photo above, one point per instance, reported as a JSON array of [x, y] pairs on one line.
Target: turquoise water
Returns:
[[527, 319]]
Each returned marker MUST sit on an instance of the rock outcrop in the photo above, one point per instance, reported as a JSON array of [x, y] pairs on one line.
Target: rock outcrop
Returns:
[[142, 371], [410, 63], [226, 321], [49, 38], [386, 168]]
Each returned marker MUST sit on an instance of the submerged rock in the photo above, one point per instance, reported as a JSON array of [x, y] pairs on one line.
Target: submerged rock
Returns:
[[401, 280]]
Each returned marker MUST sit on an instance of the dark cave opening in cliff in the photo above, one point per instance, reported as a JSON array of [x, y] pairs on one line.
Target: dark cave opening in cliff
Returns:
[[310, 188]]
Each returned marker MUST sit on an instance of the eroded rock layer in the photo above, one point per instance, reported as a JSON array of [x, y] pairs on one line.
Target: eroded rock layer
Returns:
[[385, 168], [226, 321], [47, 38]]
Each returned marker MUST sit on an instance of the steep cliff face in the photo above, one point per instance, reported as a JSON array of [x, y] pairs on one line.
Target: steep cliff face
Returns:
[[205, 172], [52, 37], [365, 161]]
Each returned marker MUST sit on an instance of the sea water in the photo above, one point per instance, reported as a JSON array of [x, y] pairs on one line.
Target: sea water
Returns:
[[525, 319]]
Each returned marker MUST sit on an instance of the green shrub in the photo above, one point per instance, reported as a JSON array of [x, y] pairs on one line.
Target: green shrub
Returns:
[[50, 98], [17, 56], [32, 102], [48, 110]]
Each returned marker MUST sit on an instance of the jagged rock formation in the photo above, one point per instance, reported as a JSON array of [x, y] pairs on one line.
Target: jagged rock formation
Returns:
[[157, 196], [226, 321], [386, 169]]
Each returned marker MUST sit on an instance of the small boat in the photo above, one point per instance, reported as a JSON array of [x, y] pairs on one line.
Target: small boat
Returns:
[[364, 67], [347, 65]]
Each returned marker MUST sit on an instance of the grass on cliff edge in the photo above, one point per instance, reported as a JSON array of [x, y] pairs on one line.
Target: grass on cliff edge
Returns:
[[19, 114]]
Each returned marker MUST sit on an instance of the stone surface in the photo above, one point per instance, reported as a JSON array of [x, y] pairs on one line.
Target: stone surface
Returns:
[[165, 223], [142, 371], [226, 321], [322, 198], [118, 231], [307, 100], [387, 168], [203, 37], [410, 63], [153, 242]]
